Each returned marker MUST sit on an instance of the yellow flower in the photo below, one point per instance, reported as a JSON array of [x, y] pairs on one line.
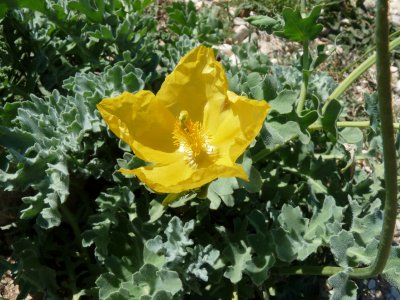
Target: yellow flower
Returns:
[[192, 131]]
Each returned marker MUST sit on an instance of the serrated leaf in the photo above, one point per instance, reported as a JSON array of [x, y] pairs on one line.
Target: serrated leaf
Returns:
[[339, 245], [149, 280], [329, 213], [289, 239], [391, 273], [343, 288], [239, 255]]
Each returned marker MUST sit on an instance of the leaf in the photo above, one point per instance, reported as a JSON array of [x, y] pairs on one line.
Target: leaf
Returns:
[[94, 14], [289, 239], [351, 135], [329, 214], [372, 108], [156, 211], [300, 29], [263, 260], [264, 22], [255, 83], [149, 280], [222, 190], [328, 120], [339, 245], [177, 239], [39, 5], [253, 185], [284, 102], [108, 284], [239, 256], [391, 273], [369, 226], [276, 133], [343, 288]]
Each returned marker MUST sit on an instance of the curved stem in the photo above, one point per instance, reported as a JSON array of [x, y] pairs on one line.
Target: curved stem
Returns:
[[344, 85]]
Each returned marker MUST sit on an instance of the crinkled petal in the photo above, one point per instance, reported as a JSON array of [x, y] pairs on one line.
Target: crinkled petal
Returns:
[[178, 177], [198, 79], [236, 125], [143, 123]]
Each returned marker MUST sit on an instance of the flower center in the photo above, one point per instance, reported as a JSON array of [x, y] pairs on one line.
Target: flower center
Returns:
[[192, 140]]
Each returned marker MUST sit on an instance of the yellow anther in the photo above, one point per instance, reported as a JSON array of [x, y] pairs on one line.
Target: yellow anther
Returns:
[[192, 140]]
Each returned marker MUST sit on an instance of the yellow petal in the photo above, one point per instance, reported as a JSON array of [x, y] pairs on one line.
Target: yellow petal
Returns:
[[178, 177], [236, 125], [143, 123], [197, 79]]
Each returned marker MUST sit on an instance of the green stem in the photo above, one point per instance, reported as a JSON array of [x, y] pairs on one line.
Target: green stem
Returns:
[[344, 85], [74, 225], [344, 124], [304, 85], [389, 156]]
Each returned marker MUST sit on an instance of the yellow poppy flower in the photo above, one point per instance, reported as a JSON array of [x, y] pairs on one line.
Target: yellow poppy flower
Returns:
[[192, 131]]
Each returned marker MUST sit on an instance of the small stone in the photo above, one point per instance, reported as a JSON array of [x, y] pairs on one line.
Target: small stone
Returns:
[[239, 21], [397, 87], [372, 284], [241, 33], [395, 293], [225, 49], [369, 4], [345, 21]]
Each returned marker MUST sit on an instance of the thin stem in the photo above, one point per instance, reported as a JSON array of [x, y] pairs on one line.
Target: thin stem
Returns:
[[344, 85], [344, 124], [304, 85]]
